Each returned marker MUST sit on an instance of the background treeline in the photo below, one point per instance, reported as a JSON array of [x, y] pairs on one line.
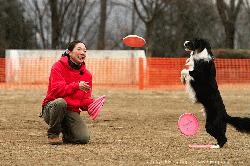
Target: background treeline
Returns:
[[165, 24]]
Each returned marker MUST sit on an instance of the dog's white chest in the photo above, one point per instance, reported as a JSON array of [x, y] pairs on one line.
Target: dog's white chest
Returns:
[[186, 78]]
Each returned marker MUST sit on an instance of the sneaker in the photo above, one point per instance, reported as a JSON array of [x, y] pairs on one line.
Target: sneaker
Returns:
[[55, 141]]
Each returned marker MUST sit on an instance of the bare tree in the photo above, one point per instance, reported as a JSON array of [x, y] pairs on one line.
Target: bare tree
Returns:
[[39, 10], [74, 20], [228, 14], [59, 21], [243, 24], [58, 12], [122, 20], [184, 20], [247, 6], [247, 9], [148, 11]]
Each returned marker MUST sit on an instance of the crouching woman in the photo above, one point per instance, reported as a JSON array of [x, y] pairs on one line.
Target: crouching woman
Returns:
[[69, 93]]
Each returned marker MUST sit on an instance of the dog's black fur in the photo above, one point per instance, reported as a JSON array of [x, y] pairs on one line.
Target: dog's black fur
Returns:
[[200, 80]]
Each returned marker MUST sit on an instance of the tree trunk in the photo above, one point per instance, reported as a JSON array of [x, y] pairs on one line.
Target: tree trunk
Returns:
[[228, 14], [149, 38], [102, 25], [55, 20], [230, 32], [133, 20]]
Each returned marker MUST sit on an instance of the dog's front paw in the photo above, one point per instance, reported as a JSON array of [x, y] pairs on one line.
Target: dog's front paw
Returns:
[[184, 74], [190, 63], [187, 60], [183, 80]]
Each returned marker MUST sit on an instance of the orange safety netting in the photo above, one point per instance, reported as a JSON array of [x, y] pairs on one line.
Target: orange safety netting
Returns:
[[121, 73]]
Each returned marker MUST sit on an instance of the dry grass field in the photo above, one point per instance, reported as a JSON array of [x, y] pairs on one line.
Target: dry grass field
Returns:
[[134, 128]]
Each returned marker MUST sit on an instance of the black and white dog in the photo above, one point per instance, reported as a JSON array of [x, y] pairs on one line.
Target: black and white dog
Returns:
[[200, 81]]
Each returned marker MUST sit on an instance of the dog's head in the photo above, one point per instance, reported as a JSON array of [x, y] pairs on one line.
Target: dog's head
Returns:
[[197, 45]]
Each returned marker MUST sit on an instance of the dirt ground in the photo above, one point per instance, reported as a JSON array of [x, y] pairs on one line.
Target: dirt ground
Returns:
[[134, 128]]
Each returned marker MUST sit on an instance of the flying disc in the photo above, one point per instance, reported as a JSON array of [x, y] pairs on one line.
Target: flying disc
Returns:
[[188, 124], [134, 41], [99, 101], [95, 107]]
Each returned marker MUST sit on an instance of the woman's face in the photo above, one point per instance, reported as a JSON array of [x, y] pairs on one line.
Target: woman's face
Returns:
[[78, 54]]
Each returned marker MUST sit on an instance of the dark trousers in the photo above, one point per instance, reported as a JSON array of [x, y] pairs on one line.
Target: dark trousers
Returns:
[[70, 123]]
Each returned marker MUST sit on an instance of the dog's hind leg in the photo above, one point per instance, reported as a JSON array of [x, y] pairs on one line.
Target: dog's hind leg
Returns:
[[218, 131]]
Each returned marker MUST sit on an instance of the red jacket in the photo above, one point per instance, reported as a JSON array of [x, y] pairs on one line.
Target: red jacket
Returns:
[[64, 83]]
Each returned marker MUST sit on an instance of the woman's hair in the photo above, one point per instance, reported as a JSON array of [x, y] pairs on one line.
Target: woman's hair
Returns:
[[71, 46]]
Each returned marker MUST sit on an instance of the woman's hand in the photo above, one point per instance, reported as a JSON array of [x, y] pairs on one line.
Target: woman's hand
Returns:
[[84, 86]]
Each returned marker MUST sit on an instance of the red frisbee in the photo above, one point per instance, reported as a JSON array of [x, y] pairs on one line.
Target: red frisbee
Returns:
[[95, 107], [134, 41], [188, 124]]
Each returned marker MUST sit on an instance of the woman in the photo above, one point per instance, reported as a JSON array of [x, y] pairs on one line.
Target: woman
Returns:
[[69, 92]]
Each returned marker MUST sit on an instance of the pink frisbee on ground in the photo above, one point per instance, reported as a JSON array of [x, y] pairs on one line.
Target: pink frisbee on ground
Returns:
[[95, 107], [134, 41], [188, 124]]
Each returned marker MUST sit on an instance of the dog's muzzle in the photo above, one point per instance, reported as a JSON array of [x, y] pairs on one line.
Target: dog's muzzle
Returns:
[[187, 45]]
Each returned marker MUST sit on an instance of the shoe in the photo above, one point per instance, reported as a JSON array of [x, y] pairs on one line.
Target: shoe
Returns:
[[55, 141], [65, 141]]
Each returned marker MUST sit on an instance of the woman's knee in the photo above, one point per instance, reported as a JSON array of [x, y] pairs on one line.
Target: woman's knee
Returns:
[[60, 103], [84, 139]]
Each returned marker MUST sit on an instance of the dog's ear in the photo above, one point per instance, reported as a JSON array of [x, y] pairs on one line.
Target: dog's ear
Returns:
[[208, 47], [202, 44], [199, 44], [207, 44]]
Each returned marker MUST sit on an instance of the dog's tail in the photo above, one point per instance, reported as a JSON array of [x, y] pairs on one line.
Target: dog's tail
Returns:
[[241, 124]]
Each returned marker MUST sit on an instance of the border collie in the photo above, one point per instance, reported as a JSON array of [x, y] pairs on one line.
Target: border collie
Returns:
[[200, 81]]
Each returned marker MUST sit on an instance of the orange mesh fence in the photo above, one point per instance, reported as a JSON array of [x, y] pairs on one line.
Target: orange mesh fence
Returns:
[[2, 69], [120, 73], [163, 72], [233, 71], [114, 72]]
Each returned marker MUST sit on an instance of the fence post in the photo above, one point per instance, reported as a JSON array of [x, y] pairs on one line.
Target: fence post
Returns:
[[141, 74]]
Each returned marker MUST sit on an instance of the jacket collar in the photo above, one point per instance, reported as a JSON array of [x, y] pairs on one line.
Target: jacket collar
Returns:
[[67, 62]]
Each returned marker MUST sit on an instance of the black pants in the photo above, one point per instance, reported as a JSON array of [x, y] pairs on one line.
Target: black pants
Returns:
[[70, 123]]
